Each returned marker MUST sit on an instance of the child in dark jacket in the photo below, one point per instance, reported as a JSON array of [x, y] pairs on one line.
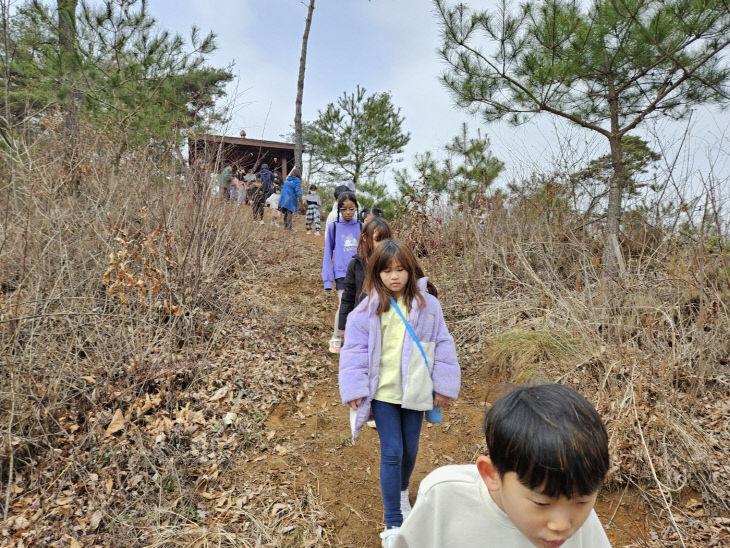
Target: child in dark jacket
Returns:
[[339, 246], [375, 231], [370, 213]]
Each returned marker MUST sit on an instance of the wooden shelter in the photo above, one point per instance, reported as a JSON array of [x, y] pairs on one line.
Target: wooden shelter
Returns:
[[241, 153]]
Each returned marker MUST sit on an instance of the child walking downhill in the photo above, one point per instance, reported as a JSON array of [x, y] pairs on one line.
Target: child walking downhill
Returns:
[[340, 244], [272, 202], [332, 215], [313, 215], [370, 213], [373, 232], [398, 361], [290, 193], [547, 458]]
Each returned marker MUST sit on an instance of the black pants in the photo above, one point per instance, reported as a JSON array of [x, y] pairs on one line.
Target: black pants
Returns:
[[258, 206], [288, 217]]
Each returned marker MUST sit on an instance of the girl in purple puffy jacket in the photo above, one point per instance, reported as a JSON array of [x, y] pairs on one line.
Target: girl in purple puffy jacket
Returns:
[[340, 244], [383, 371]]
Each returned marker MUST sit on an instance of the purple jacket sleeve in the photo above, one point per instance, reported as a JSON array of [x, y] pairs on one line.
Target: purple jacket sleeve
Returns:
[[328, 268], [354, 376], [446, 370]]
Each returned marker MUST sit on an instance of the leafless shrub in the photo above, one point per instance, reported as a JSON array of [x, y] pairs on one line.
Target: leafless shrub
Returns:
[[522, 282], [112, 301]]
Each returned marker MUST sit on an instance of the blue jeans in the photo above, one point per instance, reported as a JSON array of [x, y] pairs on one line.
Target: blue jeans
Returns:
[[399, 430]]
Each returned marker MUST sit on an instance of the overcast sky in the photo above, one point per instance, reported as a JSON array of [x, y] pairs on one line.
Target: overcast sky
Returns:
[[382, 45]]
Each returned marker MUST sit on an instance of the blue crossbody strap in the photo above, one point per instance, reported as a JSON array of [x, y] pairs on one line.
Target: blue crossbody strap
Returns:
[[410, 331]]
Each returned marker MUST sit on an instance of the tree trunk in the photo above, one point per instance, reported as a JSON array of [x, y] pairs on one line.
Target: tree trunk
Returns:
[[300, 91], [67, 42], [613, 263], [6, 129]]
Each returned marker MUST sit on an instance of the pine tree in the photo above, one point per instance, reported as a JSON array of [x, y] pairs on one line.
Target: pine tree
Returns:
[[605, 66], [360, 135]]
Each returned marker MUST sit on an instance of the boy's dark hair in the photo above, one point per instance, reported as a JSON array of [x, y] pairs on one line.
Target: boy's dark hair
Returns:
[[551, 437], [312, 187], [339, 190]]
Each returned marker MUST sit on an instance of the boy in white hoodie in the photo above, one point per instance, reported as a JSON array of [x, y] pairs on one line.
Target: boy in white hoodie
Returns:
[[548, 456]]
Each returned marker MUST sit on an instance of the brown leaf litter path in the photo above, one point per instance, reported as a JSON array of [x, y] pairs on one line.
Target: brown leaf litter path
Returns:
[[303, 446]]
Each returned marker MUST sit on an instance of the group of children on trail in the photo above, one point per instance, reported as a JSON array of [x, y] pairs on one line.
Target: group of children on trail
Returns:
[[261, 190], [547, 446]]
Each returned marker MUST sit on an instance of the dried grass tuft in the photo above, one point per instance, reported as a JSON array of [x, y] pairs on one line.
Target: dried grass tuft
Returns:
[[514, 352], [525, 300]]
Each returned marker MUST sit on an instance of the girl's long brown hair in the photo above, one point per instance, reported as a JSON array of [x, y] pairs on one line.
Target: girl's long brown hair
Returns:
[[382, 257], [366, 245]]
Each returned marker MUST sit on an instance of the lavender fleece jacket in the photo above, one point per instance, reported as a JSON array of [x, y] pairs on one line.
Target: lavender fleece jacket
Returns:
[[337, 254], [360, 355]]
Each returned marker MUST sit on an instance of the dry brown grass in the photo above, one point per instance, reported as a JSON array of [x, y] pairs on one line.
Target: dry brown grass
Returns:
[[116, 310], [522, 285], [115, 302]]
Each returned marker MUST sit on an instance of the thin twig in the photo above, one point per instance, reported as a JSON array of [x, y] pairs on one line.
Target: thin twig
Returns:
[[660, 485]]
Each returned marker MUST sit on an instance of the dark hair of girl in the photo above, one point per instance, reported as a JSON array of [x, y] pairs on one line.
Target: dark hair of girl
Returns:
[[375, 227], [339, 190], [344, 197], [376, 211], [381, 259]]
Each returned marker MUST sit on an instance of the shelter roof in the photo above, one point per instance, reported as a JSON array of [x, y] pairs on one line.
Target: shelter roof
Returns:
[[243, 141]]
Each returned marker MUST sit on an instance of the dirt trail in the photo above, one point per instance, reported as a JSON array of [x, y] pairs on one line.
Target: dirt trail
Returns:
[[308, 448]]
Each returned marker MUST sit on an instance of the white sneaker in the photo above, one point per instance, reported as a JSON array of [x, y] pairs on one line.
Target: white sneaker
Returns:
[[371, 424], [388, 537], [335, 345], [405, 504], [261, 222], [309, 231], [317, 233]]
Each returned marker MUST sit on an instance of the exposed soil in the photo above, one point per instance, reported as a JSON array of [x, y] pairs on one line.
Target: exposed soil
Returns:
[[309, 449]]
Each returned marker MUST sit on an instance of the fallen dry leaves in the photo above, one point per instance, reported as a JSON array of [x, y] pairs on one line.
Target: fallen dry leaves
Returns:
[[189, 458], [154, 467]]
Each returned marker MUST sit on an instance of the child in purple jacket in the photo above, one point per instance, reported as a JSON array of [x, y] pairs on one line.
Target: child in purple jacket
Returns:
[[340, 244], [382, 369]]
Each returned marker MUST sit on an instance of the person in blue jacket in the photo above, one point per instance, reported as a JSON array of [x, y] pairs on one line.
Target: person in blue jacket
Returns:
[[291, 190], [340, 245]]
